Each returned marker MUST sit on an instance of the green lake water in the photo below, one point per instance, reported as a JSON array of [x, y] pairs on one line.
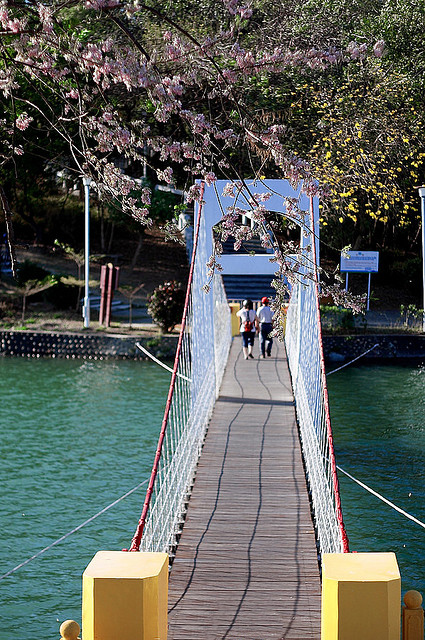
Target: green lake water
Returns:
[[74, 437], [378, 421]]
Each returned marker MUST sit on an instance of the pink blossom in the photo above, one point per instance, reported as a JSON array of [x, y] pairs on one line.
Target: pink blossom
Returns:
[[15, 26], [210, 178], [258, 213], [263, 197], [378, 48], [245, 12], [73, 93], [46, 17], [102, 4], [229, 190], [194, 193], [145, 196], [231, 6], [23, 121], [166, 175], [357, 51], [140, 215], [230, 75], [4, 17]]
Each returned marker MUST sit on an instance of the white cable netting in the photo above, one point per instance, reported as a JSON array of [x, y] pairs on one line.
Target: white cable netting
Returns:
[[303, 348], [203, 358]]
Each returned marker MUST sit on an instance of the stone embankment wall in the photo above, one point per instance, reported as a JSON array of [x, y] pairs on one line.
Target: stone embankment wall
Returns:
[[85, 346], [390, 347], [103, 346]]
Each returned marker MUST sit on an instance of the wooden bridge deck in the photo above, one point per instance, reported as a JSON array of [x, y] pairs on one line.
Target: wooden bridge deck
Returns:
[[246, 566]]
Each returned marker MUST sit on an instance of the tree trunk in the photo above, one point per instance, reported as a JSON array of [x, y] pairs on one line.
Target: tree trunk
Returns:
[[111, 237], [137, 252], [102, 228], [9, 230], [357, 243], [77, 304], [28, 216]]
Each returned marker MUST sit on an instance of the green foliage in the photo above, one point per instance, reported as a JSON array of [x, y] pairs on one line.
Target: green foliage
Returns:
[[359, 125], [336, 319], [166, 304], [153, 343], [410, 314]]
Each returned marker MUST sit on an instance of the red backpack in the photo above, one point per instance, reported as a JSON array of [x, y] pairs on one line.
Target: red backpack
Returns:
[[247, 325]]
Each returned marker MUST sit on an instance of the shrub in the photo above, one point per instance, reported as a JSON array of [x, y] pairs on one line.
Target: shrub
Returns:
[[166, 304], [411, 314], [337, 318]]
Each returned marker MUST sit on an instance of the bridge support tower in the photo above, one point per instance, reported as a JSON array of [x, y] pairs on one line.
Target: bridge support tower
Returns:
[[125, 595], [361, 595]]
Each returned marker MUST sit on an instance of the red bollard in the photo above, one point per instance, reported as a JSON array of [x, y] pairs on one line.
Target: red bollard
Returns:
[[109, 280]]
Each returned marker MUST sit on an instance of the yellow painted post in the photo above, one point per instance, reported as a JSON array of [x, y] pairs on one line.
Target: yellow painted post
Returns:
[[234, 307], [284, 312], [361, 595], [69, 630], [413, 616], [125, 596]]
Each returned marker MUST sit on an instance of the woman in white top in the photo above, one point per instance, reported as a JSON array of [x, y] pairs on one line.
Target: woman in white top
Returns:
[[247, 328], [265, 319]]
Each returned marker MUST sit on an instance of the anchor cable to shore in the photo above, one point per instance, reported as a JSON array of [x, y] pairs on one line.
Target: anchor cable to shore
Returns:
[[378, 495], [80, 526], [351, 361], [161, 364]]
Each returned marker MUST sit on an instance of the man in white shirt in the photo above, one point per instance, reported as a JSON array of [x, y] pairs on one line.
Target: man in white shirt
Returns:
[[265, 320]]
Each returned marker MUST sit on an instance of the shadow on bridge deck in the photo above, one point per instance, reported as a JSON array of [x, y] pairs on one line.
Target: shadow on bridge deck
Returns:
[[246, 566]]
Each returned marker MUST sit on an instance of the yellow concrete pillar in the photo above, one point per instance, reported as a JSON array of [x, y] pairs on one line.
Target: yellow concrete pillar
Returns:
[[234, 308], [361, 595], [283, 316], [125, 596]]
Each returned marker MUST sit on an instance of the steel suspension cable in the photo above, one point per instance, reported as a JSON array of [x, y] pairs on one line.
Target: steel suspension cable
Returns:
[[137, 538]]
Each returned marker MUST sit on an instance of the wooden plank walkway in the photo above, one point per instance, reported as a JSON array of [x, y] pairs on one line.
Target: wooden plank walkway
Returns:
[[246, 567]]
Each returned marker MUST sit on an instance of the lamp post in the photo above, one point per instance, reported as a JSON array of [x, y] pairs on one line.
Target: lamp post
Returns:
[[86, 304], [421, 190]]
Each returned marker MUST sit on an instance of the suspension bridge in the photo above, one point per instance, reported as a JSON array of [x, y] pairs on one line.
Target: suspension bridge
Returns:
[[246, 564], [237, 519], [243, 497]]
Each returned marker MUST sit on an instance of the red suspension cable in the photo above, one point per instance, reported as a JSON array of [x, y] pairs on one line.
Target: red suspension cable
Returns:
[[335, 481], [137, 538]]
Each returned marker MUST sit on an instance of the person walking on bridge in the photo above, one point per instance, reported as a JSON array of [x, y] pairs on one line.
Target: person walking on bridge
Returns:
[[265, 320], [248, 327]]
